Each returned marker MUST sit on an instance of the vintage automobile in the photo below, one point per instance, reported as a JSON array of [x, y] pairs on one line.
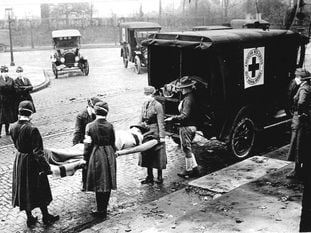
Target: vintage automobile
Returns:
[[242, 78], [131, 36], [67, 52]]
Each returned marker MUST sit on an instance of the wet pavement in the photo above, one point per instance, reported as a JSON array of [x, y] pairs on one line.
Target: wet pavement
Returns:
[[57, 106]]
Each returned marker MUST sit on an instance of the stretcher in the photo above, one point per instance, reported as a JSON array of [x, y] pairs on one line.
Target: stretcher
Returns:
[[65, 162]]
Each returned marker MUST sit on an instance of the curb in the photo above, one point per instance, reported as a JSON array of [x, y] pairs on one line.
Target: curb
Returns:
[[43, 85]]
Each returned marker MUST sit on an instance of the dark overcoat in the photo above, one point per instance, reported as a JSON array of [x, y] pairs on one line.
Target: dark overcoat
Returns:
[[153, 116], [23, 89], [82, 120], [100, 154], [8, 113], [30, 185], [300, 146]]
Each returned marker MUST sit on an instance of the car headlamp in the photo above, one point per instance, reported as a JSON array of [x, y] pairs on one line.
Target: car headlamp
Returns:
[[62, 60], [77, 58]]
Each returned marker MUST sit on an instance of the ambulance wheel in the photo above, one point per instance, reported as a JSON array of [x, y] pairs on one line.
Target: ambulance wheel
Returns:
[[137, 65], [242, 137]]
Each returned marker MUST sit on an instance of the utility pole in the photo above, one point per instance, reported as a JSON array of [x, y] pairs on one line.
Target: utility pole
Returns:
[[8, 11]]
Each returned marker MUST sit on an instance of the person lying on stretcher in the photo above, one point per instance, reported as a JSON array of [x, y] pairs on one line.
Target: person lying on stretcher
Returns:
[[64, 162]]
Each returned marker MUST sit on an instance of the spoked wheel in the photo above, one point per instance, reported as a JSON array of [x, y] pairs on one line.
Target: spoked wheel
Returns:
[[242, 138], [55, 71], [137, 65], [86, 68]]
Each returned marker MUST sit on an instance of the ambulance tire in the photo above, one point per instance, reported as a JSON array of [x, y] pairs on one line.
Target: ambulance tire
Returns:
[[242, 137]]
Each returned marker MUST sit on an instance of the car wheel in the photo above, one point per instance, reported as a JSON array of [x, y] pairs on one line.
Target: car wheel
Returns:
[[137, 65], [125, 60], [242, 137], [55, 70], [86, 68]]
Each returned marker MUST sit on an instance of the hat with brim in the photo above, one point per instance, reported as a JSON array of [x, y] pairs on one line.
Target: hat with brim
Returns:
[[141, 127], [149, 90], [304, 74], [26, 105], [185, 82], [92, 101], [101, 108]]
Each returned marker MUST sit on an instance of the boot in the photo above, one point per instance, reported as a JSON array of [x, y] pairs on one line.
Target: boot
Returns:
[[159, 179], [149, 178], [50, 219]]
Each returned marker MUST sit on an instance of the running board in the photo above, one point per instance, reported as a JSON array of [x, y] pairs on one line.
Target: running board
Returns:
[[277, 124]]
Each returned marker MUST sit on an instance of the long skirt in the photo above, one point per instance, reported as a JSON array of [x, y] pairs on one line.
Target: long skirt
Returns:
[[101, 171], [29, 189]]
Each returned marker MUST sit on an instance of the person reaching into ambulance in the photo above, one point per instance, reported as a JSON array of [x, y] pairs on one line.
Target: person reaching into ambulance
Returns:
[[188, 120]]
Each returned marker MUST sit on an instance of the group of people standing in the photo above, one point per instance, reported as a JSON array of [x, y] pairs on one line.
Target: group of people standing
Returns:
[[30, 183], [12, 92]]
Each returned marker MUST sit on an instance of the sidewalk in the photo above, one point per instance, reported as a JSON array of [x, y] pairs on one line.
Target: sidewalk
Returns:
[[251, 196]]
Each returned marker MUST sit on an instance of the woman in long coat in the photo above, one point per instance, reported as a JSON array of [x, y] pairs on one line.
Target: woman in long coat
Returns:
[[99, 151], [30, 187], [23, 87], [152, 116], [8, 113]]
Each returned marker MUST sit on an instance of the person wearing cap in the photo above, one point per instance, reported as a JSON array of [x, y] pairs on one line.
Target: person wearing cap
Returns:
[[300, 146], [8, 113], [152, 117], [299, 126], [187, 119], [99, 151], [30, 185], [82, 119], [23, 87]]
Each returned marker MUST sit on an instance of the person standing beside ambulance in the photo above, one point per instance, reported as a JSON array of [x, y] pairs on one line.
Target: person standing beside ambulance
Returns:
[[188, 120]]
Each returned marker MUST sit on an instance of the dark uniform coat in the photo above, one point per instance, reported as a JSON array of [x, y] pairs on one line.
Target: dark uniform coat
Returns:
[[100, 152], [30, 187], [300, 146], [153, 116], [8, 113], [23, 89], [82, 120]]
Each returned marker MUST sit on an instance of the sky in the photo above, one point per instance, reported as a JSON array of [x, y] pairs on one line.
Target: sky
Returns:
[[31, 8]]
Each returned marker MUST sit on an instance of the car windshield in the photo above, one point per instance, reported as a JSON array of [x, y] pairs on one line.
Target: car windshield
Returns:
[[142, 35], [66, 42]]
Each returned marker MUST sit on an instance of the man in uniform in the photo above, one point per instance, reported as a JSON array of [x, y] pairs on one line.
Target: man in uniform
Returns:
[[188, 120]]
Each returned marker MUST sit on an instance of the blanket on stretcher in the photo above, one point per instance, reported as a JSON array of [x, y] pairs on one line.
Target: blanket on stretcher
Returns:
[[65, 162]]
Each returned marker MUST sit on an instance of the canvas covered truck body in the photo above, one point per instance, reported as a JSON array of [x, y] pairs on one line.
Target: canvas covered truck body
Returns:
[[242, 79]]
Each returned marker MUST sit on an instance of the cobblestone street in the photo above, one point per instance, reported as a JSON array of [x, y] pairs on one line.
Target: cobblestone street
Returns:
[[57, 107]]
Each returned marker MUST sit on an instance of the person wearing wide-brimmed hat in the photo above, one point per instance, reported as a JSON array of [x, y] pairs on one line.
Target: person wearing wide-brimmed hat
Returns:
[[99, 151], [8, 111], [152, 116], [82, 119], [188, 121], [30, 185], [23, 87]]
